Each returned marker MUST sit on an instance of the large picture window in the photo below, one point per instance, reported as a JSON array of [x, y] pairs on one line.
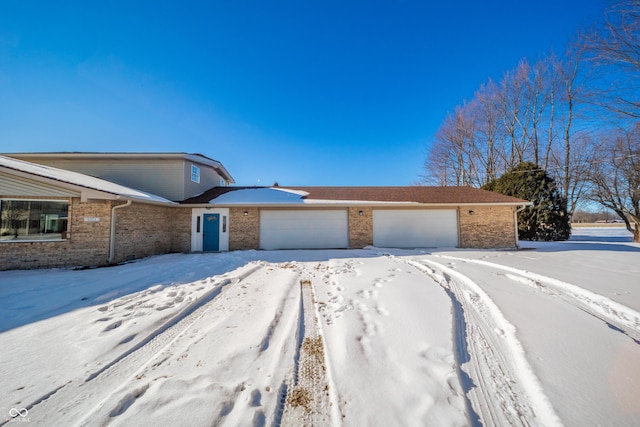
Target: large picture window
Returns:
[[28, 220]]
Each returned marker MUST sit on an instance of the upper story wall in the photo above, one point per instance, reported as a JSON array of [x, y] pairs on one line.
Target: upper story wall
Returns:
[[207, 178], [168, 175]]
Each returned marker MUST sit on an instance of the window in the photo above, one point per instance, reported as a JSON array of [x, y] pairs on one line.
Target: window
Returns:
[[195, 174], [222, 182], [28, 220]]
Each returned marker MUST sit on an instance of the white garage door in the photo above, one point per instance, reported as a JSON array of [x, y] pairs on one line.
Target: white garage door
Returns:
[[298, 229], [415, 228]]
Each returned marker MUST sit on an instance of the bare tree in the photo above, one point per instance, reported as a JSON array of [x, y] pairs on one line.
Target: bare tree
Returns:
[[616, 179], [615, 49], [489, 130], [14, 216], [452, 159]]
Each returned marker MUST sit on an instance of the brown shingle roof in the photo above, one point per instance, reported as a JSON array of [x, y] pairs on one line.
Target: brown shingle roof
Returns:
[[414, 194]]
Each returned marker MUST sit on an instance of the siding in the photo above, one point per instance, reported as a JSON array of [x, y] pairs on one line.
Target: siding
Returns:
[[158, 176], [208, 178], [18, 186]]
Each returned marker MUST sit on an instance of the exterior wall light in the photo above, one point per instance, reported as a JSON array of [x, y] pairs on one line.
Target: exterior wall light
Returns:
[[245, 213], [360, 213], [471, 212]]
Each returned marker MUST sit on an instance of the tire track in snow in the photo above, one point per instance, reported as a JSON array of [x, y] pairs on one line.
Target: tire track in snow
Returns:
[[615, 315], [137, 358], [291, 379], [310, 399], [494, 373]]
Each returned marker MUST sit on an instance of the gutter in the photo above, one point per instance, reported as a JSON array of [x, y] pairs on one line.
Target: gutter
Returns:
[[515, 220], [112, 240], [316, 203]]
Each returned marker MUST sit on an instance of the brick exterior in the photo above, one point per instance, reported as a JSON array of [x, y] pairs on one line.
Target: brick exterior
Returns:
[[141, 230], [360, 227], [488, 227], [181, 230], [87, 243], [244, 230]]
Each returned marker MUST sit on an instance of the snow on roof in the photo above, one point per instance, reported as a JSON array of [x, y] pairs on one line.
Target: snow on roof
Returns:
[[262, 195], [411, 195], [75, 178]]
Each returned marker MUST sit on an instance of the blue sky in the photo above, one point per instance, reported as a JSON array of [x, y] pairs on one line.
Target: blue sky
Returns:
[[298, 92]]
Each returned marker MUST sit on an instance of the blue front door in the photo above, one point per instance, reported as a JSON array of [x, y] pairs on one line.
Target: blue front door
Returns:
[[211, 233]]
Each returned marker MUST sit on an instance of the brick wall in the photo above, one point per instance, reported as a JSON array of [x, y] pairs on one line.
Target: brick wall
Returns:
[[360, 227], [144, 230], [488, 227], [141, 230], [244, 230], [87, 243], [181, 230]]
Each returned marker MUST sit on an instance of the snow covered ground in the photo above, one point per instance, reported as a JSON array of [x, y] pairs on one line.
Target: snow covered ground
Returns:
[[547, 335]]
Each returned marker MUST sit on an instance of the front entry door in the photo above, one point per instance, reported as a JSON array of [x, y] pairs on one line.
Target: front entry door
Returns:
[[211, 233]]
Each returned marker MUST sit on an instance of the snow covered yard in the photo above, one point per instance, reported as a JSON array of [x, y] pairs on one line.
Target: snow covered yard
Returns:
[[548, 335]]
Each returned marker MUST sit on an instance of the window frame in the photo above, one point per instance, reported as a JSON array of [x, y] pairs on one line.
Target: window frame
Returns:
[[61, 237], [195, 174]]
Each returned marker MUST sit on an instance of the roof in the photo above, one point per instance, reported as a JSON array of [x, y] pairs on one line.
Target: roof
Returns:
[[69, 155], [353, 195], [75, 179]]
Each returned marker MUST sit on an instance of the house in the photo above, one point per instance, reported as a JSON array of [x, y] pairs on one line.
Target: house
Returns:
[[175, 176], [71, 209]]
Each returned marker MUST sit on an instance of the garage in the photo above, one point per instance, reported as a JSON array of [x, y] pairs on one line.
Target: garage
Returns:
[[304, 229], [420, 228]]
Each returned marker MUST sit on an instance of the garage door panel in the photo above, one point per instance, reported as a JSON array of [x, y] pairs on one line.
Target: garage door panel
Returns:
[[415, 228], [296, 229]]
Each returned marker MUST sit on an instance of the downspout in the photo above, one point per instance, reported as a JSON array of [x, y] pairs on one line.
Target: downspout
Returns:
[[112, 240], [515, 220]]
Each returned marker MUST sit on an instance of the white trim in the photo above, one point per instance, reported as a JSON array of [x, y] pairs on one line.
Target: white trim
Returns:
[[2, 242], [195, 174], [60, 200], [196, 236], [317, 203]]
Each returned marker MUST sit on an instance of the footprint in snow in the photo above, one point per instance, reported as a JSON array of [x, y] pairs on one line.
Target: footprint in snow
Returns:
[[127, 401], [367, 294], [113, 326], [256, 397], [347, 307], [360, 306], [127, 339], [336, 299], [382, 311]]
